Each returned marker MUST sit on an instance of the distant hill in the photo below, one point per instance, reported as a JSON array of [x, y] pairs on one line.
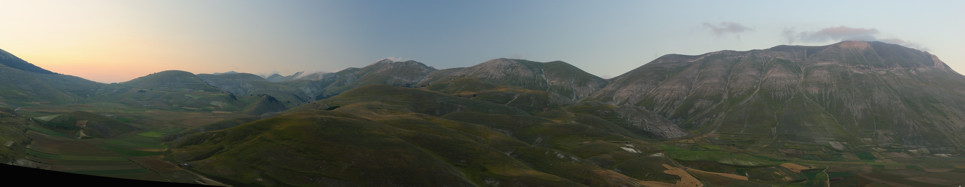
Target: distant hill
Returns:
[[243, 84], [86, 124], [279, 78]]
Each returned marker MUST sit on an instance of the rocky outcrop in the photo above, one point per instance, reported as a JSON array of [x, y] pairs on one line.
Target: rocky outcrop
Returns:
[[652, 123]]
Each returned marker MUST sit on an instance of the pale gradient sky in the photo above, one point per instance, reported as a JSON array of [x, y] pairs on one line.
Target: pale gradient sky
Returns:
[[118, 40]]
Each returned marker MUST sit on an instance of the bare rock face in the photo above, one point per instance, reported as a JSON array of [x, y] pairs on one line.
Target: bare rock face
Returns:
[[652, 123], [859, 93], [555, 77]]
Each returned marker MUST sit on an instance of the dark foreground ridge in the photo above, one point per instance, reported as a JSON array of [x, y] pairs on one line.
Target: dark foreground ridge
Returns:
[[41, 177]]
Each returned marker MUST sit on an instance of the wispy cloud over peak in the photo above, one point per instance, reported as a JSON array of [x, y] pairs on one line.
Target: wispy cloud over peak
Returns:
[[843, 33], [905, 43], [840, 33], [726, 28]]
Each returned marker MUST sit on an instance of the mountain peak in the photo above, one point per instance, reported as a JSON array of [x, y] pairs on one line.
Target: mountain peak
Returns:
[[396, 63], [275, 77], [799, 89], [390, 60]]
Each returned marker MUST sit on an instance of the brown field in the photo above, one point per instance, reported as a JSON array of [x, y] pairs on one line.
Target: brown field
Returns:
[[685, 178], [728, 175], [155, 163], [795, 167], [168, 171]]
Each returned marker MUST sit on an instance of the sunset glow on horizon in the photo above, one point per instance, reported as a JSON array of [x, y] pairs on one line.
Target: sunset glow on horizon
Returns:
[[116, 40]]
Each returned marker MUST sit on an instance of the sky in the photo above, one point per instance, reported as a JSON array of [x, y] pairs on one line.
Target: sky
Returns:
[[119, 40]]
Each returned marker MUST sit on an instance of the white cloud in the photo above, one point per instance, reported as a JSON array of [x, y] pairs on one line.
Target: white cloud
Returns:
[[839, 33], [726, 28], [842, 33]]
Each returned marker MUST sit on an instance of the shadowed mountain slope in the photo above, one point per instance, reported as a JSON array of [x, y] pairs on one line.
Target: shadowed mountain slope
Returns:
[[15, 62], [24, 83], [243, 84]]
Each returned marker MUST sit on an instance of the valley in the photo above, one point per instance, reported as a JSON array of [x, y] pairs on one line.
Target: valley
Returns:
[[847, 114]]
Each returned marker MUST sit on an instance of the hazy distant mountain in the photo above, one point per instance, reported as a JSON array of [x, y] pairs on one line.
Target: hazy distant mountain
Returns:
[[386, 71], [314, 76], [237, 83], [289, 93], [224, 73], [279, 78]]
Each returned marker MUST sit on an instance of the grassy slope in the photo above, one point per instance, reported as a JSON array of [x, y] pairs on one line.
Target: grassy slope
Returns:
[[12, 127], [321, 147], [96, 125], [21, 88], [465, 141]]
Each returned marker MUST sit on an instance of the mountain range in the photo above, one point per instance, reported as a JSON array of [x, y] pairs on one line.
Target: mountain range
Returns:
[[877, 113]]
